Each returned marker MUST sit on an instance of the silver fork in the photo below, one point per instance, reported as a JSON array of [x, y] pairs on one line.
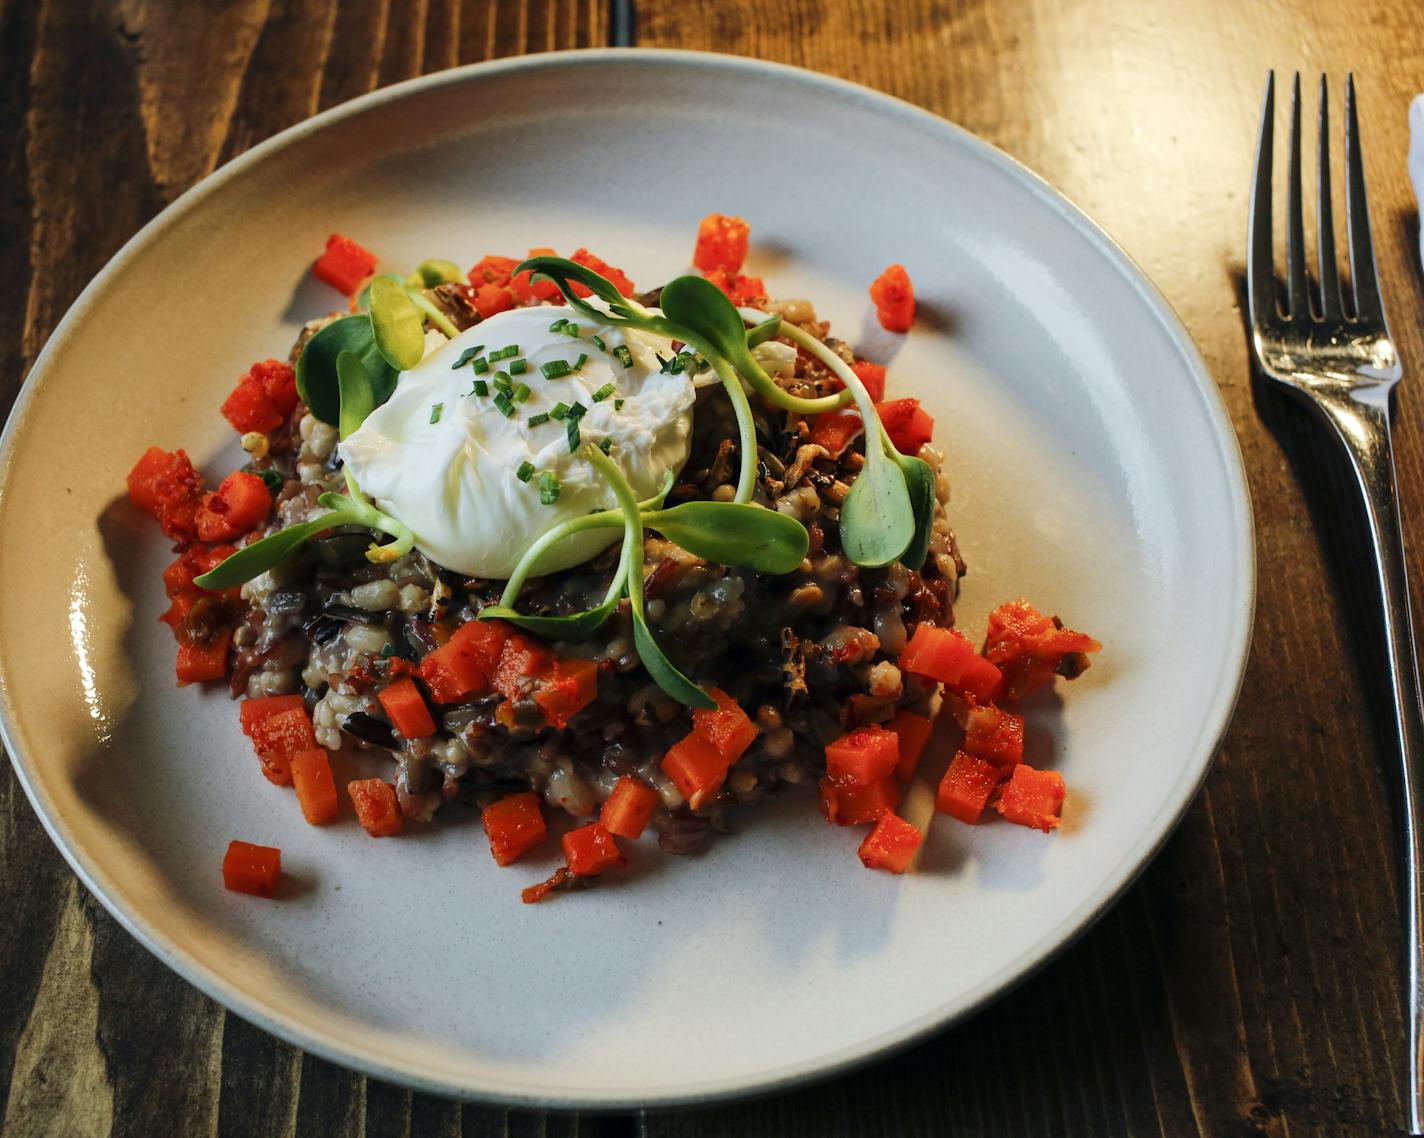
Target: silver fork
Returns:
[[1344, 365]]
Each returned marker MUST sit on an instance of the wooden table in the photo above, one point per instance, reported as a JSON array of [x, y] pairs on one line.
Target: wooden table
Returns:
[[1249, 983]]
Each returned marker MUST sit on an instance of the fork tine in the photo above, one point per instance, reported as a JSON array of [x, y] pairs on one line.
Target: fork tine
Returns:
[[1297, 290], [1260, 262], [1330, 307], [1357, 216]]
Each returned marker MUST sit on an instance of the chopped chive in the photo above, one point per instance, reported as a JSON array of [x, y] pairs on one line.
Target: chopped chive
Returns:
[[624, 355], [509, 351], [603, 392], [525, 471], [436, 412], [618, 404], [466, 356], [558, 325], [583, 359], [549, 488], [598, 343], [518, 367], [539, 419], [606, 445], [481, 365], [481, 388], [506, 408], [558, 410], [502, 380], [521, 393], [577, 411], [555, 369], [570, 330], [571, 428]]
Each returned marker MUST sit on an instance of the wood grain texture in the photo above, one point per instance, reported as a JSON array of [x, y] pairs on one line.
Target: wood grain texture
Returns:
[[1248, 984]]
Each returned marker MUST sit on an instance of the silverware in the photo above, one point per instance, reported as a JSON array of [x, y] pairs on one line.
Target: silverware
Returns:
[[1334, 351]]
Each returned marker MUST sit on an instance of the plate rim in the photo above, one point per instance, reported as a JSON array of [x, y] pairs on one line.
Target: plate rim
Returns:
[[1013, 972]]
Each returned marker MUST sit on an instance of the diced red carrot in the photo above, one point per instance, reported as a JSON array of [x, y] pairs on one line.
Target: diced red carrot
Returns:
[[279, 381], [907, 423], [344, 264], [865, 756], [514, 825], [628, 808], [238, 505], [696, 767], [1030, 648], [913, 732], [166, 487], [377, 807], [284, 732], [572, 687], [405, 707], [728, 728], [891, 844], [248, 408], [492, 270], [894, 299], [176, 615], [315, 786], [491, 299], [1032, 798], [276, 767], [453, 671], [484, 639], [203, 661], [254, 711], [526, 290], [193, 562], [835, 430], [616, 277], [248, 868], [873, 376], [523, 662], [855, 805], [556, 881], [590, 850], [744, 291], [946, 655], [967, 784], [721, 243], [994, 734]]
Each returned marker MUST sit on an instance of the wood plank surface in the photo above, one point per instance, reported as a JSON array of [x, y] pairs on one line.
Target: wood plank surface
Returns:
[[1248, 984]]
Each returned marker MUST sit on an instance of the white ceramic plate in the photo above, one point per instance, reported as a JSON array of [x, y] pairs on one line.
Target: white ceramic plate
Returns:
[[1094, 471]]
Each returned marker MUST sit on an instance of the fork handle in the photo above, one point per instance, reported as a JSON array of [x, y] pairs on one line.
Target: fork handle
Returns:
[[1361, 420]]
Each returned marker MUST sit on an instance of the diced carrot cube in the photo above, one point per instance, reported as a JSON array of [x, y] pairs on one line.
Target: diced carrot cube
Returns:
[[721, 243], [967, 784], [453, 671], [276, 767], [728, 728], [526, 290], [514, 825], [254, 711], [993, 734], [491, 299], [945, 655], [590, 850], [628, 808], [238, 505], [484, 639], [873, 376], [492, 270], [377, 807], [248, 868], [697, 768], [248, 408], [847, 805], [1033, 798], [908, 424], [913, 732], [523, 662], [166, 487], [206, 661], [894, 299], [315, 786], [740, 290], [571, 688], [405, 707], [344, 264], [1030, 648], [836, 430], [891, 844], [285, 732], [865, 756], [616, 277]]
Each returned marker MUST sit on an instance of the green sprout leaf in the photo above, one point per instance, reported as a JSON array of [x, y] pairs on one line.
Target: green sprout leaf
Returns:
[[759, 334], [430, 274], [920, 481], [577, 626], [358, 399], [363, 298], [255, 559], [317, 379], [398, 324], [734, 533]]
